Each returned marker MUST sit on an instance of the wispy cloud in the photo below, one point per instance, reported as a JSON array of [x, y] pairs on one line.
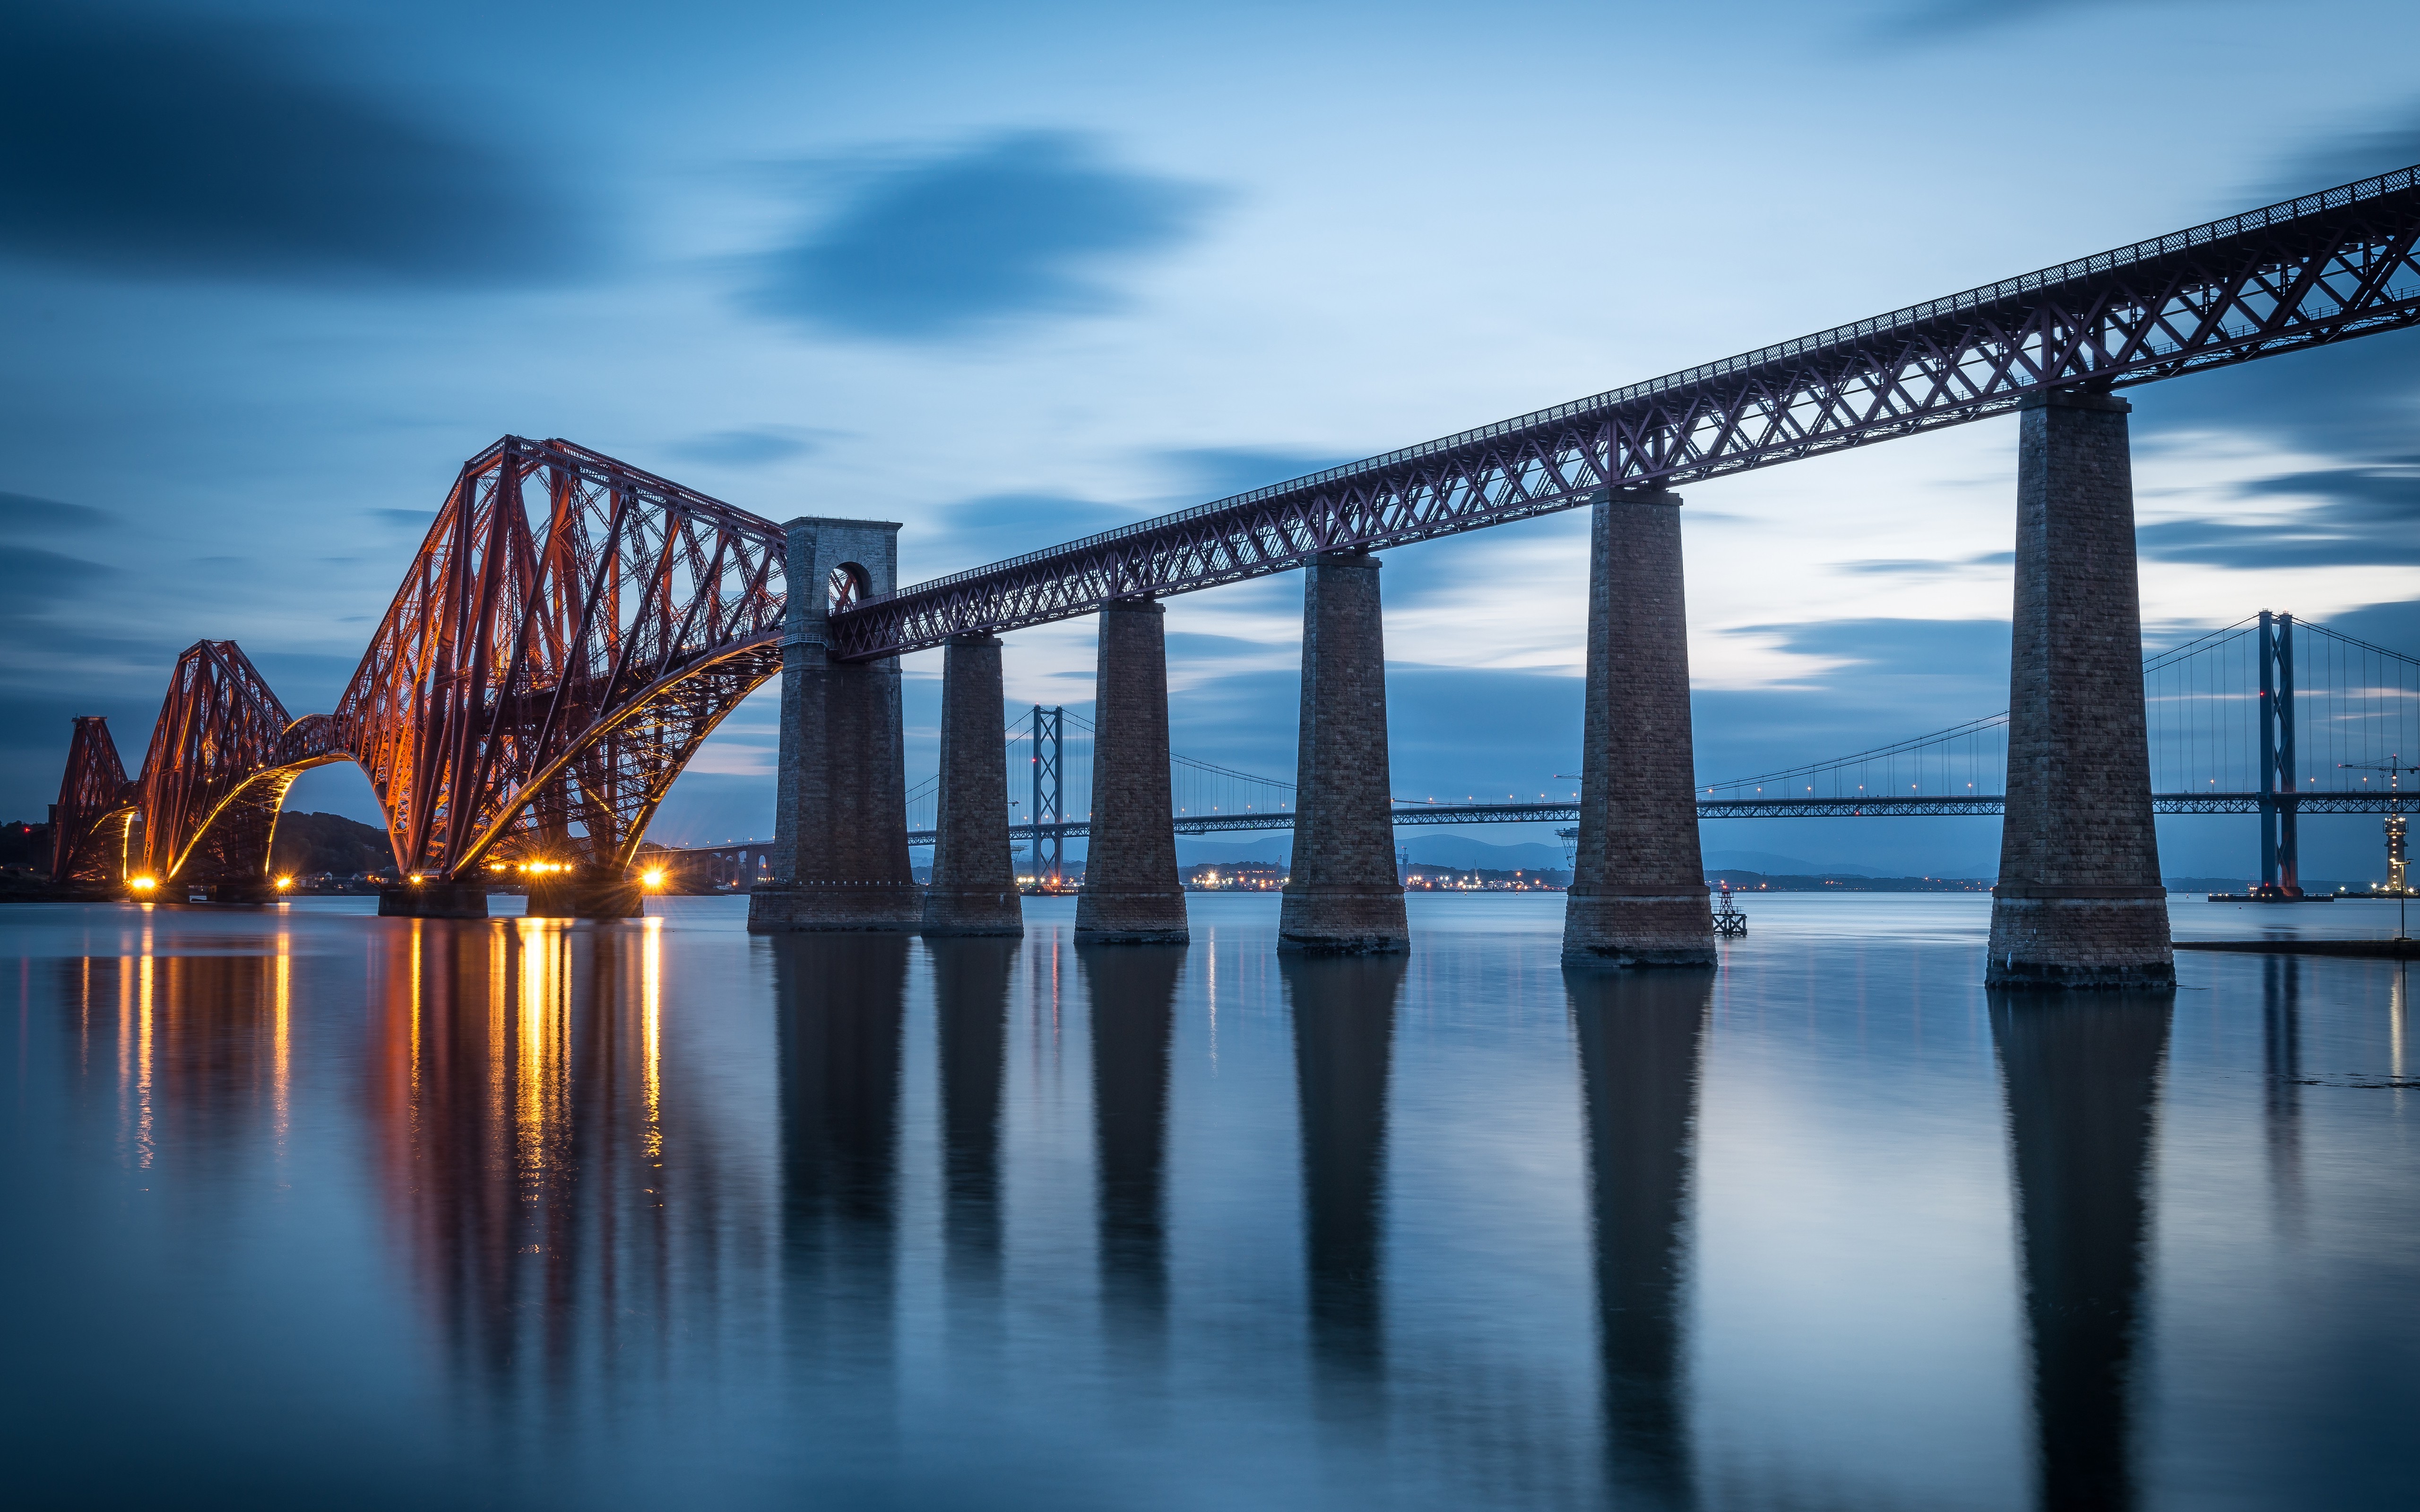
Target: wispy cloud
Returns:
[[944, 246], [24, 515], [749, 446], [2353, 517]]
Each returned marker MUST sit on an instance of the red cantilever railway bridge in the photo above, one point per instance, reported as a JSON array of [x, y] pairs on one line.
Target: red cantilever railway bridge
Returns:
[[550, 665]]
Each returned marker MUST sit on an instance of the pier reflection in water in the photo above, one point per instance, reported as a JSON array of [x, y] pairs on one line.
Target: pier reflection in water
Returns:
[[1343, 1011], [1641, 1038], [2083, 1072], [332, 1210]]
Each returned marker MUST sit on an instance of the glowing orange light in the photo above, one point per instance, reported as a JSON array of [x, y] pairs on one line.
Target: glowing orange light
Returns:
[[284, 883], [143, 884], [655, 877]]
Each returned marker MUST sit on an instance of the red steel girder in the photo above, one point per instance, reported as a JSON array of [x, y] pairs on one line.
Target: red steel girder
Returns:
[[2320, 269], [90, 822], [569, 631]]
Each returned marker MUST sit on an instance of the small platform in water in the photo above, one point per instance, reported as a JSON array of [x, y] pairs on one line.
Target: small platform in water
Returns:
[[2372, 949]]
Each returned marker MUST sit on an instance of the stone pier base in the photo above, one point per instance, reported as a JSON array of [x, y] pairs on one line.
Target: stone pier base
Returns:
[[1343, 895], [2080, 942], [1639, 886], [1132, 894], [974, 874], [840, 804], [601, 893], [434, 899], [2079, 902]]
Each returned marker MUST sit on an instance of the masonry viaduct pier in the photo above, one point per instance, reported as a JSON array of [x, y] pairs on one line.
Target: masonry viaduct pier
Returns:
[[2079, 901]]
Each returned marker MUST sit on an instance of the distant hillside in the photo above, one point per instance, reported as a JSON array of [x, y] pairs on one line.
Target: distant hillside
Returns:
[[310, 843], [25, 843]]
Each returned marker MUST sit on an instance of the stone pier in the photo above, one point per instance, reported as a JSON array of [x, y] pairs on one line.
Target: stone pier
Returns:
[[974, 877], [1132, 894], [1343, 895], [840, 807], [586, 892], [434, 899], [2079, 902], [1639, 886]]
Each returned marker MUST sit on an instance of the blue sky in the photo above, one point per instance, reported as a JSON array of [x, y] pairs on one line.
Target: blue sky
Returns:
[[1009, 275]]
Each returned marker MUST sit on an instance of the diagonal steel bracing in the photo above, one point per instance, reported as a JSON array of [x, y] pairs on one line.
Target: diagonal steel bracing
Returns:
[[2311, 271]]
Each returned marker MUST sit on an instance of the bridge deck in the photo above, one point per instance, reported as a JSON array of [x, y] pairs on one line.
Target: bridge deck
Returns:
[[2307, 271]]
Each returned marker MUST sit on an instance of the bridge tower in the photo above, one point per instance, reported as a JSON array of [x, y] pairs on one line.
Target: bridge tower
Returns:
[[1637, 896], [2079, 901], [840, 805]]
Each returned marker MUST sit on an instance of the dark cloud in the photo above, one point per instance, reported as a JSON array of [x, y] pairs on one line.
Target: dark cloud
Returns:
[[1223, 471], [177, 146], [38, 580], [747, 448], [2363, 154], [416, 519], [24, 515], [2365, 517], [1016, 225], [994, 527]]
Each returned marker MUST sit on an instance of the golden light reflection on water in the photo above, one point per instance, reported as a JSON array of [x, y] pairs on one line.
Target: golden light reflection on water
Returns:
[[545, 1013], [143, 993], [281, 1069], [651, 1033]]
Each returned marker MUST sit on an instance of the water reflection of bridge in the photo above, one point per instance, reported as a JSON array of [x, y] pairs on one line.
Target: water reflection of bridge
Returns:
[[566, 1201]]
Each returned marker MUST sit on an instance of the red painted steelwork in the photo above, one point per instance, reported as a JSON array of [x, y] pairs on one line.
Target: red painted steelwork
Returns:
[[568, 633], [97, 806]]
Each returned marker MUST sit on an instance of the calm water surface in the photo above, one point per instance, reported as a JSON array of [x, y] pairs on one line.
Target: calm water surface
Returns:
[[316, 1209]]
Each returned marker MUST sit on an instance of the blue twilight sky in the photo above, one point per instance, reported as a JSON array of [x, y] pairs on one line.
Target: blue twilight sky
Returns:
[[270, 271]]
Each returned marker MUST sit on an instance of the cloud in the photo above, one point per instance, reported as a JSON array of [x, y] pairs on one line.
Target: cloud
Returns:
[[1223, 472], [994, 527], [2362, 154], [1917, 567], [403, 519], [39, 579], [24, 515], [1023, 225], [2363, 516], [751, 447], [1927, 19], [162, 145], [2356, 400]]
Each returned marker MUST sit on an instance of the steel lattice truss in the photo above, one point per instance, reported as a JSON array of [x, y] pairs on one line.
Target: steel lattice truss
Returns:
[[2311, 271], [216, 770], [95, 809], [569, 631], [548, 666]]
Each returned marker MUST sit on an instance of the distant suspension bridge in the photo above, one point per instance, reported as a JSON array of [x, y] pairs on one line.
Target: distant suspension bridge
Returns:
[[2268, 715]]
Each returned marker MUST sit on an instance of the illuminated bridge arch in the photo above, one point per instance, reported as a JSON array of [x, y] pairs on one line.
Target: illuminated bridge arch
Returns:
[[570, 630]]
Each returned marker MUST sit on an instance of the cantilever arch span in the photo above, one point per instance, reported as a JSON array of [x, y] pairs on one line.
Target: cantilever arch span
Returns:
[[840, 806], [1639, 882], [2079, 902]]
